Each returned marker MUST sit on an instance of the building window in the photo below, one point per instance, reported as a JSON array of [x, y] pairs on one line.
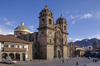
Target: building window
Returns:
[[49, 21], [22, 46], [42, 21], [35, 45], [32, 38], [58, 40], [65, 36], [65, 43], [12, 46], [41, 53], [50, 32], [64, 27], [89, 47], [20, 33], [6, 45], [50, 40], [42, 32]]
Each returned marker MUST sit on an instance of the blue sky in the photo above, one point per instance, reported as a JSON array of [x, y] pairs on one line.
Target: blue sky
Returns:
[[83, 16]]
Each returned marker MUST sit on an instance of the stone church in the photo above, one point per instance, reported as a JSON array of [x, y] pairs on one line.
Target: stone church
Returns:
[[51, 39]]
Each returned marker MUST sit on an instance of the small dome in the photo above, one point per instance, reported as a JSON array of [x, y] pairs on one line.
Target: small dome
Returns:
[[22, 28], [61, 18]]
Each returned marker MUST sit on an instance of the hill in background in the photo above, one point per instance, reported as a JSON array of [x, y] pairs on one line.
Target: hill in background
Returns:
[[86, 42]]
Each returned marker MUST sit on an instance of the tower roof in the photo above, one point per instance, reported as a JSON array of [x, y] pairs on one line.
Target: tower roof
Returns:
[[61, 19], [22, 28], [46, 9]]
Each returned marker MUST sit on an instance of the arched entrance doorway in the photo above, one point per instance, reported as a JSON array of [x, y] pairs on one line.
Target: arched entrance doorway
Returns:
[[23, 56], [35, 56], [58, 53], [4, 55], [17, 56], [11, 55]]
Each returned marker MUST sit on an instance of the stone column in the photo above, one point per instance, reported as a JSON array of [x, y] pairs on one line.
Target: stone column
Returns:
[[21, 57], [0, 56], [14, 56], [8, 57]]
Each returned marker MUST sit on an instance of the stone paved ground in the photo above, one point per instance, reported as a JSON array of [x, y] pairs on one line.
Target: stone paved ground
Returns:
[[56, 62]]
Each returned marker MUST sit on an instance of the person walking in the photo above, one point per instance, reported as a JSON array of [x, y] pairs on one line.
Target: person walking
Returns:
[[77, 63], [93, 60], [63, 60], [67, 61]]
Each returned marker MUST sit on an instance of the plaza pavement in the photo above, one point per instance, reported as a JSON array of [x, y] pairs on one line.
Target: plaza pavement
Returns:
[[56, 62]]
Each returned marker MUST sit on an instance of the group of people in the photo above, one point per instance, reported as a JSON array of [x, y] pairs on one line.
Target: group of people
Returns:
[[68, 62], [95, 60], [64, 61]]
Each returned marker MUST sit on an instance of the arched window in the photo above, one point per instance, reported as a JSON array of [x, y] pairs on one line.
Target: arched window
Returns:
[[65, 43], [20, 33], [58, 40], [42, 21], [64, 27], [49, 21], [50, 40]]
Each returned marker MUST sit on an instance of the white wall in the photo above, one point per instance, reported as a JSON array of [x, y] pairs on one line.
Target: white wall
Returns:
[[88, 47], [26, 46]]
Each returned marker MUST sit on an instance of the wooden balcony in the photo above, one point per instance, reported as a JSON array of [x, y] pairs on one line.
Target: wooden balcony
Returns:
[[6, 49]]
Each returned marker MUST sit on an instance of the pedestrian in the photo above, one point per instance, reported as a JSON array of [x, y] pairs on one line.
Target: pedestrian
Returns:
[[67, 61], [77, 63], [93, 60], [63, 60]]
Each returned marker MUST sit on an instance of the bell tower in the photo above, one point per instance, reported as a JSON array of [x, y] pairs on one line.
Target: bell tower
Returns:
[[46, 18], [46, 32]]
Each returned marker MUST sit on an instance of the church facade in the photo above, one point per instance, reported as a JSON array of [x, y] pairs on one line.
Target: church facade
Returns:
[[51, 39]]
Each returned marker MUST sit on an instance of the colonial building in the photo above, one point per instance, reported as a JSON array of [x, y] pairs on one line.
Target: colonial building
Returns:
[[51, 39], [14, 48]]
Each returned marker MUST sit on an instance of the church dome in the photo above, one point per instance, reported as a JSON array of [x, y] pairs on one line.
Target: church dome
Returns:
[[22, 28], [60, 20]]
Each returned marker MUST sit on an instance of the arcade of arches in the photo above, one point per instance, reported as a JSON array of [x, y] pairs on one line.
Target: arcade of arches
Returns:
[[19, 56]]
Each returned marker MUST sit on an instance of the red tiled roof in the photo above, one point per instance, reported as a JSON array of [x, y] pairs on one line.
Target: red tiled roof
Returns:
[[5, 38], [78, 46]]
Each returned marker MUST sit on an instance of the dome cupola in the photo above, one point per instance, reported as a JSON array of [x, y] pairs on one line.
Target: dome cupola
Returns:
[[60, 20], [21, 30]]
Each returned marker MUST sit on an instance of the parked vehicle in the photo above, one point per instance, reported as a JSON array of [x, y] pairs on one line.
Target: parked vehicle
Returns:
[[10, 61]]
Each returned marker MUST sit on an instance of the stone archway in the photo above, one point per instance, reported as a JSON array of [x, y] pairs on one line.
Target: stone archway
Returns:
[[58, 54], [17, 56], [23, 56], [4, 55], [11, 55]]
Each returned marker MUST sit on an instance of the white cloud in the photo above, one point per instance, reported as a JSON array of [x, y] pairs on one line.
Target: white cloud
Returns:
[[67, 12], [95, 36], [31, 28], [73, 40], [5, 31], [5, 19], [8, 23], [73, 21], [73, 17], [86, 16]]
